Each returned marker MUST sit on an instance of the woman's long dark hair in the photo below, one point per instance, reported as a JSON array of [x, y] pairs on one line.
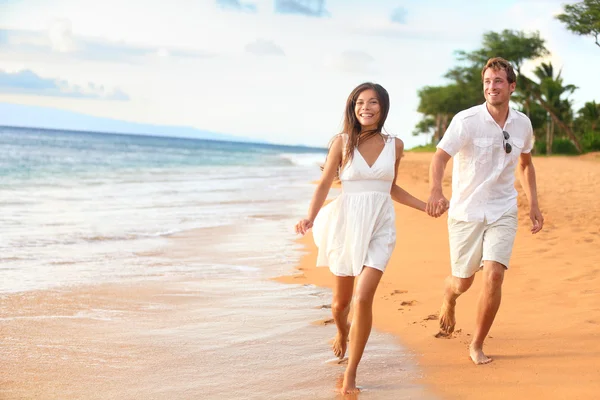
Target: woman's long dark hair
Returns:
[[351, 125]]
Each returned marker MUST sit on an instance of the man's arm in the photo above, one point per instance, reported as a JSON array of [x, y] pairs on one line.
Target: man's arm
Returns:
[[526, 173], [437, 203], [452, 142]]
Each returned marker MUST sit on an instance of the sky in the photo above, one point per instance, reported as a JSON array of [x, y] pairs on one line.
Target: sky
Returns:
[[266, 69]]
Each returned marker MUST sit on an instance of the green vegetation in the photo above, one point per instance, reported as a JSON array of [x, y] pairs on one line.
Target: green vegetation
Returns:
[[428, 148], [544, 96], [583, 18]]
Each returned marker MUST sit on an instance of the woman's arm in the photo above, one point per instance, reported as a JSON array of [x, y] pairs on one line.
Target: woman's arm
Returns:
[[398, 194], [403, 197], [334, 159]]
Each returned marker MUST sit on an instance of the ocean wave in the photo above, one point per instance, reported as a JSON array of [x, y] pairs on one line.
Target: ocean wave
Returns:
[[130, 236], [269, 217], [70, 240], [11, 259], [304, 159], [102, 238]]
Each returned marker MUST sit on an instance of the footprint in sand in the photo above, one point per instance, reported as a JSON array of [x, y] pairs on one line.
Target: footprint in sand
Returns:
[[337, 361], [590, 275], [409, 303], [398, 291], [444, 335], [590, 291], [431, 317], [324, 322]]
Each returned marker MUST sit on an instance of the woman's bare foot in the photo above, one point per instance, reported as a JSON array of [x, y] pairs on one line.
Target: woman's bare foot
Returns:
[[477, 356], [349, 384], [340, 343], [447, 318]]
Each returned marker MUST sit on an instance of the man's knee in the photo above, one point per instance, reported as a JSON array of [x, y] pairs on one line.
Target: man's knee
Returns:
[[461, 285], [493, 274]]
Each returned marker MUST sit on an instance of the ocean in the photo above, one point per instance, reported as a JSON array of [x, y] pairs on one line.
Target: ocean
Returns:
[[86, 200], [167, 247]]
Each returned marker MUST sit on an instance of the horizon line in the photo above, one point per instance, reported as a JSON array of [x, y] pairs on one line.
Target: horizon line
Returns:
[[248, 141]]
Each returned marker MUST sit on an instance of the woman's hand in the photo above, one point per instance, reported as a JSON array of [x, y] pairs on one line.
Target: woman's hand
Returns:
[[303, 226]]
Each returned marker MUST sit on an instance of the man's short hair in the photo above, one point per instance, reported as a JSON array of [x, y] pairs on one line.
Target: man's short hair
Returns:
[[498, 64]]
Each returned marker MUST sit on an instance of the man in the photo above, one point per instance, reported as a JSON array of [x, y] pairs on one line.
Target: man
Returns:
[[487, 142]]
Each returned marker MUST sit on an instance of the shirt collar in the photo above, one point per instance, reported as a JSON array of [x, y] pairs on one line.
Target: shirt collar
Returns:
[[488, 117]]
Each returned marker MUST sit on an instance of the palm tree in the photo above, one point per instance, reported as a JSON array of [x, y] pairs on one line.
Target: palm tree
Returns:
[[549, 93], [590, 114]]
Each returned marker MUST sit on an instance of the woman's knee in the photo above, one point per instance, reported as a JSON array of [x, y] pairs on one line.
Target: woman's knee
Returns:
[[340, 305], [362, 299]]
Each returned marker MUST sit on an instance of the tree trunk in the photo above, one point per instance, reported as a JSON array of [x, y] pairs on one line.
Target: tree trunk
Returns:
[[437, 135], [552, 129], [560, 123], [445, 122], [548, 136]]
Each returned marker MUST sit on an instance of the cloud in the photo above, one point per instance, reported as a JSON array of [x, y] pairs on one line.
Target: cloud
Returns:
[[236, 5], [61, 36], [261, 47], [399, 15], [60, 40], [28, 82], [354, 61], [316, 9], [397, 31]]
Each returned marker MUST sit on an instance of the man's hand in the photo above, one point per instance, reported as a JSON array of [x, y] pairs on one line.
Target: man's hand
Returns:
[[536, 217], [437, 204], [303, 226], [442, 206]]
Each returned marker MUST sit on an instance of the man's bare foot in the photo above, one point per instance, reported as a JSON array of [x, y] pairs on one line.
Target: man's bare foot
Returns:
[[478, 357], [349, 384], [447, 318], [340, 343]]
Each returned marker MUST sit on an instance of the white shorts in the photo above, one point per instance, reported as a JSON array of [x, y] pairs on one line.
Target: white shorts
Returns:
[[471, 243]]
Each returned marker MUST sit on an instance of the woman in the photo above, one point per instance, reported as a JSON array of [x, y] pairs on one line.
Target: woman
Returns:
[[356, 232]]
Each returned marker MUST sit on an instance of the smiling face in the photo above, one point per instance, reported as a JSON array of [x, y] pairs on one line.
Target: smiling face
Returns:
[[496, 87], [368, 109]]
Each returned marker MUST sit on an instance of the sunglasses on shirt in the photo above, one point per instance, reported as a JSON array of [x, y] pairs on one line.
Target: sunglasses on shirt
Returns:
[[505, 144]]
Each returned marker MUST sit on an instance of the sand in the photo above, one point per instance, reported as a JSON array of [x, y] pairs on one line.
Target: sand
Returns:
[[545, 341]]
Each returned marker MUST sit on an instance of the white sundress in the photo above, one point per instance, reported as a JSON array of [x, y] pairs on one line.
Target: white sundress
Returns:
[[358, 228]]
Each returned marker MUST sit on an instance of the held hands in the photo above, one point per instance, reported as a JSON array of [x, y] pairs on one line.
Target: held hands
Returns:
[[303, 226], [437, 204], [536, 217]]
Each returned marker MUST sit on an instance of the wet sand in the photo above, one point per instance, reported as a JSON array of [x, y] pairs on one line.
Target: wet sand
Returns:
[[545, 341], [221, 330]]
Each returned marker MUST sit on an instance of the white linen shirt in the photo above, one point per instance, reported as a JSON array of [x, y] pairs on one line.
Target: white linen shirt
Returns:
[[483, 176]]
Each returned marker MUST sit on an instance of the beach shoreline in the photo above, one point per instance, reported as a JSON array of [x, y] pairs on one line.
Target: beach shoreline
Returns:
[[215, 332], [553, 277]]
